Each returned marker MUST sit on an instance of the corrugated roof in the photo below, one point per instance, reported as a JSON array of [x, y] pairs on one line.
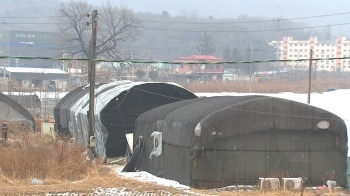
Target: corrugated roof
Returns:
[[190, 58], [33, 70]]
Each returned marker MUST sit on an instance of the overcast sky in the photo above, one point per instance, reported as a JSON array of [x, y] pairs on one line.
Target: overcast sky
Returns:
[[234, 8]]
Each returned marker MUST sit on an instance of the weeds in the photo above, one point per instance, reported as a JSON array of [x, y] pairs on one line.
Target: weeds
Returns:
[[35, 156]]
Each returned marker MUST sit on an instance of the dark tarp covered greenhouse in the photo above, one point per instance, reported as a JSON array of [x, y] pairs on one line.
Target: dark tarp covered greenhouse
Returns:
[[117, 106], [218, 141], [13, 112]]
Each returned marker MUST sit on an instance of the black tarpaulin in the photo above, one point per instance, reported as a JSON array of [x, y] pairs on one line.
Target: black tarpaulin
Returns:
[[218, 141], [117, 106], [13, 111]]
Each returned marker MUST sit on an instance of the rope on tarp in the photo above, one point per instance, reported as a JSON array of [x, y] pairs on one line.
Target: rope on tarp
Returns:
[[136, 157]]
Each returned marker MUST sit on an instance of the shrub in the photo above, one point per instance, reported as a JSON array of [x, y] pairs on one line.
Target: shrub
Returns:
[[35, 156]]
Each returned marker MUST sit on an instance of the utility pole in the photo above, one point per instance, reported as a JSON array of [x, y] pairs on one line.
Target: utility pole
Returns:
[[310, 66], [278, 50], [92, 73], [251, 66]]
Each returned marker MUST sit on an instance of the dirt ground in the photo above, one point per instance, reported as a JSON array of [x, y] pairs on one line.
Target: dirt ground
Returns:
[[113, 184]]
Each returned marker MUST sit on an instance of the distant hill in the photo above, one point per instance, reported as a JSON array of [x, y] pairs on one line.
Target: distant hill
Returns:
[[168, 29], [21, 12]]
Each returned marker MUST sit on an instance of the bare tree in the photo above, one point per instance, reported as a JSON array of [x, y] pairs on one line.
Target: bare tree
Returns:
[[116, 25]]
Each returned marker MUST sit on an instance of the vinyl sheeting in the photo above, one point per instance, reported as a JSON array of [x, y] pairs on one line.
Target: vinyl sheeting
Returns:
[[219, 141], [117, 106], [14, 112]]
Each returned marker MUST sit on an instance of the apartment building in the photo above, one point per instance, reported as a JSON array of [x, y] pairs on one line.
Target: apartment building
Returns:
[[289, 49]]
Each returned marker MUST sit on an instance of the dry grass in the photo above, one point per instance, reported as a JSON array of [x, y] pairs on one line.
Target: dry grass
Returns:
[[34, 156], [63, 168], [270, 86]]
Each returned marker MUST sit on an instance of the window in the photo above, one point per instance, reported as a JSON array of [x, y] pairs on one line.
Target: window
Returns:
[[332, 50], [217, 66], [295, 55], [322, 66], [321, 61], [327, 50], [191, 66], [295, 50], [305, 55], [332, 66], [290, 55], [290, 50], [327, 62], [317, 55], [345, 44], [322, 51], [322, 55], [344, 50], [327, 66], [182, 66], [316, 50]]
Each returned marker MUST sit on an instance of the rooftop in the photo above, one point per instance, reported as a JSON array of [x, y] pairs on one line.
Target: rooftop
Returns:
[[199, 57], [33, 70]]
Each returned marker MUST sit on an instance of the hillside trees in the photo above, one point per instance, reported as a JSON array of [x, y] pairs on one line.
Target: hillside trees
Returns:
[[205, 45]]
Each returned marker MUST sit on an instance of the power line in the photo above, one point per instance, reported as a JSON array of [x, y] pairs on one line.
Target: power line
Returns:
[[168, 62], [200, 23], [20, 17], [254, 21], [179, 45], [242, 31], [31, 23]]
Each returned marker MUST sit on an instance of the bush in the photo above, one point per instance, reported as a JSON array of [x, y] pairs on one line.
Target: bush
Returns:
[[39, 157]]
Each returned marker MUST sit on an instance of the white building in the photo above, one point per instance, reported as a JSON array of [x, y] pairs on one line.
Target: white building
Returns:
[[289, 49]]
